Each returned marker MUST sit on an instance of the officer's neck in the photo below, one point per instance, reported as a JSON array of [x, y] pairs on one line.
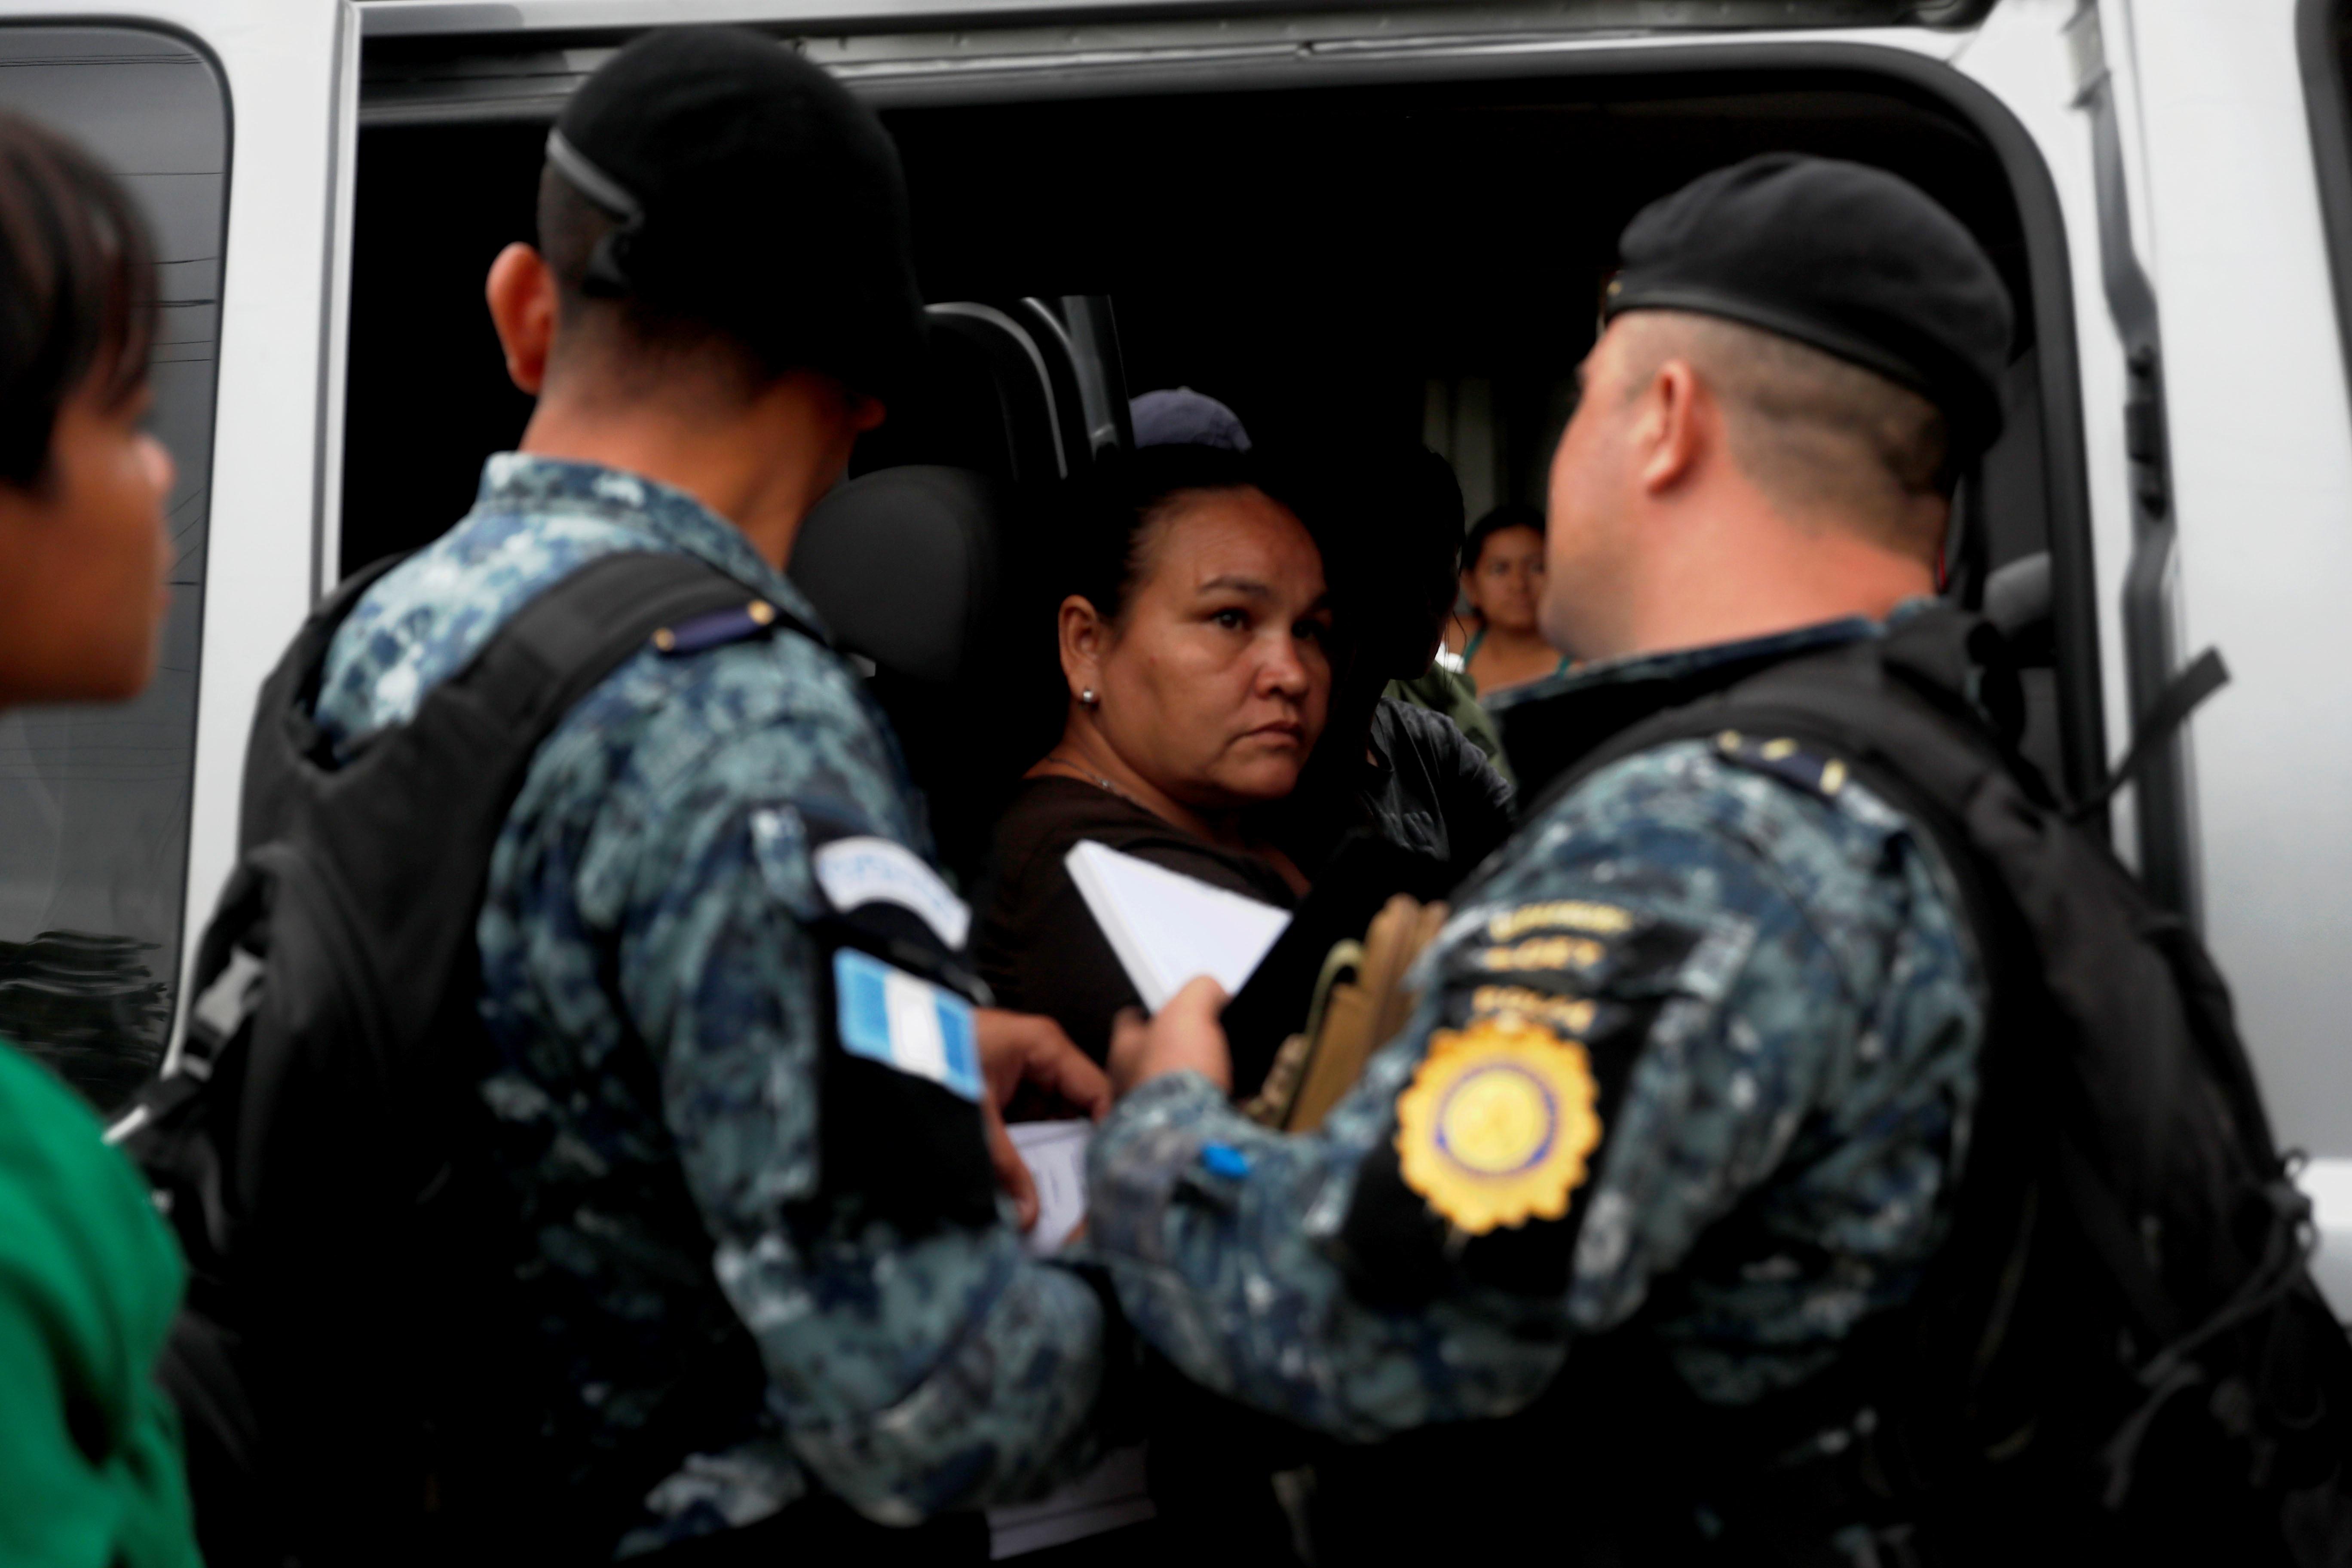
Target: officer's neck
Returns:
[[1768, 574], [760, 463]]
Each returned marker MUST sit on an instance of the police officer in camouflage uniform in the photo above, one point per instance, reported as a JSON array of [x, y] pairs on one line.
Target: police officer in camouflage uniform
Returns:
[[722, 281], [1692, 1077]]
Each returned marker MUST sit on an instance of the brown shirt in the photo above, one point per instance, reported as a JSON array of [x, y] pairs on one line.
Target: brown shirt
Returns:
[[1039, 948]]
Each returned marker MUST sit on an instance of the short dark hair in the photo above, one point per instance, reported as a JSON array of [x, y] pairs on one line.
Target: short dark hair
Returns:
[[569, 228], [1809, 429], [76, 290], [1113, 519], [1391, 515]]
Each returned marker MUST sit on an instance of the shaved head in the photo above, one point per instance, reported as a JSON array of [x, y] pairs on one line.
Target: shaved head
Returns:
[[1819, 437]]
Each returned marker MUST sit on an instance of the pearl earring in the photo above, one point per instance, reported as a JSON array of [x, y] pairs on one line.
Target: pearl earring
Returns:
[[1088, 698]]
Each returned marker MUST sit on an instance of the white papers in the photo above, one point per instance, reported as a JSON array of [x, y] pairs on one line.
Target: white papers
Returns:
[[1167, 928], [1055, 1154], [1114, 1492]]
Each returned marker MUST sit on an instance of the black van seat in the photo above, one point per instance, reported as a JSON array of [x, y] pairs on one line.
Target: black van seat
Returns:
[[904, 564], [908, 566], [925, 563], [984, 399], [1030, 392]]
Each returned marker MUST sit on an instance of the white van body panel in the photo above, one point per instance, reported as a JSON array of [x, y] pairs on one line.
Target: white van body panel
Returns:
[[2262, 444], [2261, 441]]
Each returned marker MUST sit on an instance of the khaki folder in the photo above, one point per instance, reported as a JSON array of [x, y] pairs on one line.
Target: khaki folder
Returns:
[[1361, 1003]]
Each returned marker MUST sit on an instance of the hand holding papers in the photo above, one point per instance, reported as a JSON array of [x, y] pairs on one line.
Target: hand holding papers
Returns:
[[1182, 1036]]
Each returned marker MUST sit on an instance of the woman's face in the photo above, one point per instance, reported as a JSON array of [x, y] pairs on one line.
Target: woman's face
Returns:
[[1506, 583], [1215, 687], [83, 560]]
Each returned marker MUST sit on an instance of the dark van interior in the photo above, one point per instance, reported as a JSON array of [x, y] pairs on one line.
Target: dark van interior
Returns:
[[1405, 262]]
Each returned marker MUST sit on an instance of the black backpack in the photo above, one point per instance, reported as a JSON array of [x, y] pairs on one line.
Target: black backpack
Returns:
[[2119, 1354], [343, 1364]]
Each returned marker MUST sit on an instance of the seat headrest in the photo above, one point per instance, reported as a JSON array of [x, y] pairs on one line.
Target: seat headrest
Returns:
[[903, 565]]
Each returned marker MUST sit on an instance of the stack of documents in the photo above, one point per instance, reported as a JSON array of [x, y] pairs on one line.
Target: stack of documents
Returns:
[[1113, 1494]]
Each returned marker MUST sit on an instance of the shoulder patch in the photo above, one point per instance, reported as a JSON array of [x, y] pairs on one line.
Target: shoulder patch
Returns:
[[715, 629], [863, 869], [910, 1026], [1498, 1124], [1785, 759], [1574, 947]]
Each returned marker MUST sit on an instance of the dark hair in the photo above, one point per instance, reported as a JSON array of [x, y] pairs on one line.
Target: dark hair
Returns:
[[1392, 515], [1107, 528], [1510, 514], [569, 226], [76, 290]]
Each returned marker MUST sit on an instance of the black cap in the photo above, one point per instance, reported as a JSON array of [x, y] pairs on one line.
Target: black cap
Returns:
[[756, 196], [1848, 259]]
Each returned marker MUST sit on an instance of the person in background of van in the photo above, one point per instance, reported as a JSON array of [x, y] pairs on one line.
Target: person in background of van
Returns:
[[91, 1468], [1503, 580], [1192, 639], [1409, 769], [722, 285], [1427, 571]]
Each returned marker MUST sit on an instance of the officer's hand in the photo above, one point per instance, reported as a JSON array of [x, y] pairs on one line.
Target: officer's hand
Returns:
[[1023, 1047], [1184, 1036]]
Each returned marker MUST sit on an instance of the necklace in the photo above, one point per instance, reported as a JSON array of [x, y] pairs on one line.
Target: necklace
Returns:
[[1090, 776]]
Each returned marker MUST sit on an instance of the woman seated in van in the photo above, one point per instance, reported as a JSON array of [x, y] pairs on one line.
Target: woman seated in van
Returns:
[[1503, 579], [1193, 633]]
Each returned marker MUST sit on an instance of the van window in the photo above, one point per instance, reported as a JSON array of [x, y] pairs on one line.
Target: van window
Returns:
[[93, 865]]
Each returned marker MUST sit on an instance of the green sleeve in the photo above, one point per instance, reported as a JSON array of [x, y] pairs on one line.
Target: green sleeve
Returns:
[[91, 1468], [1449, 691]]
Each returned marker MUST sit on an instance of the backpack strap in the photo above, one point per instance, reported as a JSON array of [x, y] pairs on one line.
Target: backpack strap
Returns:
[[566, 639]]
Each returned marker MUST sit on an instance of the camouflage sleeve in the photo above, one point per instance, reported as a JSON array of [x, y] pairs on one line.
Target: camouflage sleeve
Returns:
[[914, 1370], [1715, 978]]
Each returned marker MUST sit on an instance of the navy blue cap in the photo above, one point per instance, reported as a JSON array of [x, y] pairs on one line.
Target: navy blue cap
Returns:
[[1180, 417]]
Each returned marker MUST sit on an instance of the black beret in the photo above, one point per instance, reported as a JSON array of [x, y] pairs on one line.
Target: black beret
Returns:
[[756, 196], [1847, 258]]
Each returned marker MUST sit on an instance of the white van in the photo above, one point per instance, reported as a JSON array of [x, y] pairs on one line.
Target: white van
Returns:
[[1395, 218]]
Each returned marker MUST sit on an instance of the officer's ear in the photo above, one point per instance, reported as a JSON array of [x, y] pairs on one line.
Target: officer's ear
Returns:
[[1086, 638], [1676, 423], [520, 292]]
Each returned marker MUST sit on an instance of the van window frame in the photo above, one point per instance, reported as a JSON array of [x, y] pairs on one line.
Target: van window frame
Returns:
[[1776, 65], [172, 955]]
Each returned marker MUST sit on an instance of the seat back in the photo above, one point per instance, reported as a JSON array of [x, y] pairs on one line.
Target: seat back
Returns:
[[909, 566], [917, 564]]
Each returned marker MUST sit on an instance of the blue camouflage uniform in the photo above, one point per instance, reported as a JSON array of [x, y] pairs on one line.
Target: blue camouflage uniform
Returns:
[[650, 981], [1796, 1009]]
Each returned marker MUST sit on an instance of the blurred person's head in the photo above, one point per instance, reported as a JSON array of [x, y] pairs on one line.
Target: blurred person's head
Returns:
[[1801, 357], [1503, 569], [83, 553], [724, 269], [1403, 540], [1193, 638]]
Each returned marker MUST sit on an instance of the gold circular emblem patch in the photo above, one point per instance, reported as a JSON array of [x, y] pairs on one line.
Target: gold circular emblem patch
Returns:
[[1496, 1125]]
